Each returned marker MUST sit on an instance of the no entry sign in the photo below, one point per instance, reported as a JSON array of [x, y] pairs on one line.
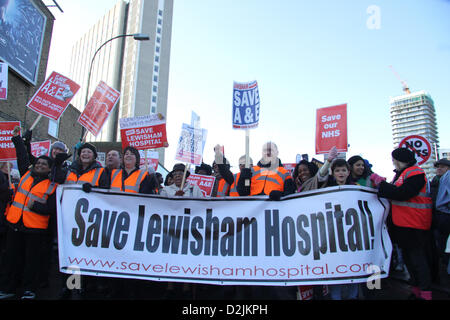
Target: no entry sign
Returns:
[[419, 145]]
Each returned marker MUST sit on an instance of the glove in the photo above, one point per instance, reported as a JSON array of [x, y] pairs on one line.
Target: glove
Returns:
[[87, 187], [275, 195], [376, 179], [60, 158], [27, 136]]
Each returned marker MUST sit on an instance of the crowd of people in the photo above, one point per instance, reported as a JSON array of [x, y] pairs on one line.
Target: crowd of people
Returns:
[[419, 221]]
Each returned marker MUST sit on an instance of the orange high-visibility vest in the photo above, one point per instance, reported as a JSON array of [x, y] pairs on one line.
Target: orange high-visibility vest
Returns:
[[223, 188], [131, 184], [92, 176], [264, 181], [415, 212], [25, 191], [233, 188]]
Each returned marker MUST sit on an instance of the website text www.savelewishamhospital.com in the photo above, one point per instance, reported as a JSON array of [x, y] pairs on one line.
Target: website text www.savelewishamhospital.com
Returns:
[[221, 273]]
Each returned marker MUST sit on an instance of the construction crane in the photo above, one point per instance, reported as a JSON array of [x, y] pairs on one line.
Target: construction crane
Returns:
[[404, 84]]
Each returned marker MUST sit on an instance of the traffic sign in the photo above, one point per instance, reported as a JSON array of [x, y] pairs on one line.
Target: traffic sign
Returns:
[[419, 145]]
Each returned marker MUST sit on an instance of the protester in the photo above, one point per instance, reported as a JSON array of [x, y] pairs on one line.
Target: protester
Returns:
[[440, 195], [177, 290], [28, 220], [411, 214], [175, 189], [361, 174], [86, 171], [113, 160], [268, 177], [6, 195], [203, 169], [168, 180], [340, 171], [131, 178], [160, 181], [235, 177]]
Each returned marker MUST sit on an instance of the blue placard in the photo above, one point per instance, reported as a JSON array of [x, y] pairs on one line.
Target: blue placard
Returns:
[[245, 105]]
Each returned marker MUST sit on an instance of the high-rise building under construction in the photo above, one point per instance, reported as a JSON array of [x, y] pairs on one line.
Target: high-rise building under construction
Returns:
[[413, 113]]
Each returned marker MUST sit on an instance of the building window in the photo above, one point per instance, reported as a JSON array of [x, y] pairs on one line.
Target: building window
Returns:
[[157, 49], [156, 58], [160, 12], [53, 127], [154, 99], [158, 39], [155, 78], [155, 88], [158, 30], [159, 21], [156, 68], [153, 109]]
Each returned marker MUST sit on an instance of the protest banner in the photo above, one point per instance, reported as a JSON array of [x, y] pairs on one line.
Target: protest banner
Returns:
[[40, 148], [144, 132], [152, 159], [205, 183], [327, 236], [290, 167], [98, 108], [246, 105], [331, 129], [190, 145], [7, 149], [419, 145], [53, 96], [3, 81]]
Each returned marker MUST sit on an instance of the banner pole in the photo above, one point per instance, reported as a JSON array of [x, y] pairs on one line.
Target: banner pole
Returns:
[[35, 122], [184, 177], [146, 162], [247, 157]]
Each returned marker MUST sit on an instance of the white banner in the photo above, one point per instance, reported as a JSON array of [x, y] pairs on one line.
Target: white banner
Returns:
[[327, 236]]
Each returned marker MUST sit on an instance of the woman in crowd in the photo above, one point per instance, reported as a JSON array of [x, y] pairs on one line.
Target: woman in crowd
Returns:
[[130, 178], [86, 170], [361, 174], [28, 220], [410, 219]]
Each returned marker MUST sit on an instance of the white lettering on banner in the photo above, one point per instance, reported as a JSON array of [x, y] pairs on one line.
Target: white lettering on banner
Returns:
[[331, 235]]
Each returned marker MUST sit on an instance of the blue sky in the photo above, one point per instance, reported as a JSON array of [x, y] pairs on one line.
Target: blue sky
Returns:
[[305, 55]]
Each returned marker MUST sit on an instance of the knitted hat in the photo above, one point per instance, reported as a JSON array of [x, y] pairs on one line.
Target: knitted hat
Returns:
[[89, 146], [58, 145], [404, 155]]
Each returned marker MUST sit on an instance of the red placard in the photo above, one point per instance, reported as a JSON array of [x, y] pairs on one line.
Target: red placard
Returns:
[[143, 133], [98, 108], [205, 183], [152, 159], [419, 145], [290, 167], [331, 129], [7, 149], [54, 95], [40, 148]]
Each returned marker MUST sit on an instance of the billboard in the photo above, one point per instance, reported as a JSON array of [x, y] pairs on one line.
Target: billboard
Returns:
[[22, 27]]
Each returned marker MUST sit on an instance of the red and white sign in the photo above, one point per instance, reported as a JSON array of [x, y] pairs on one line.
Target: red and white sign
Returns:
[[98, 108], [290, 167], [331, 129], [54, 95], [152, 159], [205, 183], [3, 81], [40, 148], [145, 132], [7, 149], [419, 145]]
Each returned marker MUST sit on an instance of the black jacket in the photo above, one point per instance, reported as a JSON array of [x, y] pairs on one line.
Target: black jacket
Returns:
[[76, 167]]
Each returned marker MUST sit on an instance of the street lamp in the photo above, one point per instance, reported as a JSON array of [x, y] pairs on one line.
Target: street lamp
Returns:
[[136, 36]]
